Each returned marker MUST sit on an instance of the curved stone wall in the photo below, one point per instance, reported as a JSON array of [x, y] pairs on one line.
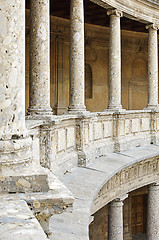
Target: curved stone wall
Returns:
[[127, 179]]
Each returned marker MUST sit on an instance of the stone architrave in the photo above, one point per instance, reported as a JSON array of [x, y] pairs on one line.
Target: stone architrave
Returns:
[[152, 67], [39, 95], [77, 89], [114, 60], [153, 212], [115, 220]]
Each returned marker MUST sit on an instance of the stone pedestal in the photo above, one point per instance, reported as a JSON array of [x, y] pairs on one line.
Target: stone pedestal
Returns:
[[153, 212], [77, 72], [114, 60], [152, 67], [39, 58], [115, 219], [17, 173]]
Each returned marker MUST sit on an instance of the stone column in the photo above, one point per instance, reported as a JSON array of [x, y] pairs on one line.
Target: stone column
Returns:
[[77, 89], [152, 67], [114, 60], [115, 220], [153, 212], [39, 58], [14, 144]]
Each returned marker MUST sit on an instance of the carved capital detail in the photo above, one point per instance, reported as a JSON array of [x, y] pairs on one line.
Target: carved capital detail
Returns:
[[115, 12], [152, 26]]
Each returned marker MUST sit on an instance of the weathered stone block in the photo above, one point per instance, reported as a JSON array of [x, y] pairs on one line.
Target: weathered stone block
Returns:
[[108, 129], [61, 140], [145, 124], [127, 126], [86, 134], [32, 183], [70, 136], [121, 128], [97, 130], [135, 125]]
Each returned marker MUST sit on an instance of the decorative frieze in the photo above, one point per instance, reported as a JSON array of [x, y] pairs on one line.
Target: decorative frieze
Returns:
[[129, 178]]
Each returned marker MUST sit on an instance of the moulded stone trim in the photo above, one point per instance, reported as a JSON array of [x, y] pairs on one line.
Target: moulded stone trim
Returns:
[[129, 178], [140, 10]]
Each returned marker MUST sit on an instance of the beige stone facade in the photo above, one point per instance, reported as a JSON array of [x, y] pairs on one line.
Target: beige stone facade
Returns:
[[79, 122]]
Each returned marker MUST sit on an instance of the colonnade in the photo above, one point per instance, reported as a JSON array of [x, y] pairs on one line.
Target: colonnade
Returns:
[[115, 217], [40, 66], [12, 89]]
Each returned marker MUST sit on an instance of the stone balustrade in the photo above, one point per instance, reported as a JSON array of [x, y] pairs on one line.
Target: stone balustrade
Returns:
[[71, 140]]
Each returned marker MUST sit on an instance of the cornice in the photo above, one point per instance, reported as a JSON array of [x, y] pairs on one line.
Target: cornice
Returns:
[[139, 10]]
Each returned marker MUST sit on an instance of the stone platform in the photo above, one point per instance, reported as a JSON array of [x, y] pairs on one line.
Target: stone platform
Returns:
[[27, 215], [17, 221]]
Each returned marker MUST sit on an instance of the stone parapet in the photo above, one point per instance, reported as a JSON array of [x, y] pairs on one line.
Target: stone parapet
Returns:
[[70, 140]]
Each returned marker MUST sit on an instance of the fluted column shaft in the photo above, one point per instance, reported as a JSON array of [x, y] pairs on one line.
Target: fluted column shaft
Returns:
[[153, 212], [114, 60], [116, 220], [39, 58], [77, 85], [152, 67]]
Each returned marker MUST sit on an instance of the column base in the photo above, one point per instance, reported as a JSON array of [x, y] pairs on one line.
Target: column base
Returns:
[[15, 151], [38, 113], [76, 110], [113, 108], [18, 172], [152, 107]]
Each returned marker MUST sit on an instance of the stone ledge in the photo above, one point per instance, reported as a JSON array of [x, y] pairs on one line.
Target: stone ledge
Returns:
[[42, 204], [17, 221]]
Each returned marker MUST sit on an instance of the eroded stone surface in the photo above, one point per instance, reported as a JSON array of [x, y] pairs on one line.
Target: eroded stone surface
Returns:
[[152, 66], [153, 212], [116, 220], [12, 69], [77, 57], [39, 58], [114, 60], [17, 221]]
